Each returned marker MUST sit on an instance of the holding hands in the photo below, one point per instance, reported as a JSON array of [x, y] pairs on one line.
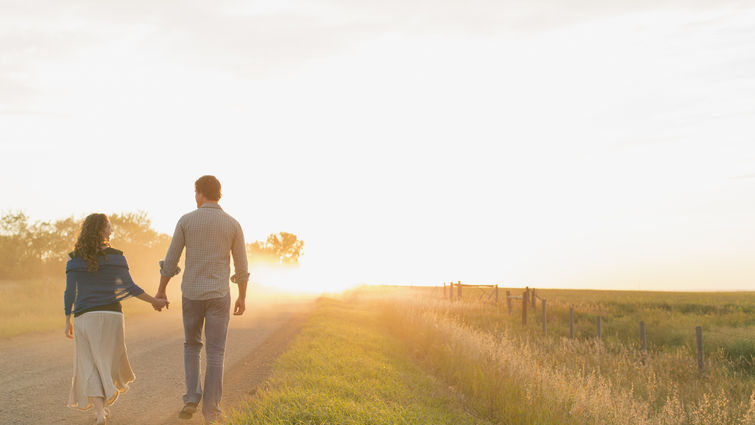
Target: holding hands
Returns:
[[159, 303]]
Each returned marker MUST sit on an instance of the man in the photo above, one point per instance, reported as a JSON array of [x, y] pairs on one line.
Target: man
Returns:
[[209, 235]]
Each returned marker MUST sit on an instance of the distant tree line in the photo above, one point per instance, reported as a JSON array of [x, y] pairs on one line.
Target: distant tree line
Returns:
[[281, 248], [41, 248]]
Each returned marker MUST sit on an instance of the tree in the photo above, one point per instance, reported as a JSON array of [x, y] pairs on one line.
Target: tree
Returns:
[[282, 248], [143, 246], [15, 248], [32, 250], [41, 249], [29, 250]]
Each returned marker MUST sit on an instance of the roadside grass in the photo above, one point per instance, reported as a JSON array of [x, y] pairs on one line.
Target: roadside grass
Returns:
[[30, 306], [345, 368], [515, 375]]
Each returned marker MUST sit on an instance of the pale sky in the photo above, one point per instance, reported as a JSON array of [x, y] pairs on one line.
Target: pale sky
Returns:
[[574, 144]]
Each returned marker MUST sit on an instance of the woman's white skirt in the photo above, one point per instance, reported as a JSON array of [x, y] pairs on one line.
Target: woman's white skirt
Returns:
[[100, 363]]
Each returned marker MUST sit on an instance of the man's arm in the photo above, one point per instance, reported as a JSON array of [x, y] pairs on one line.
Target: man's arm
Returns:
[[169, 267], [240, 306], [241, 269], [161, 289]]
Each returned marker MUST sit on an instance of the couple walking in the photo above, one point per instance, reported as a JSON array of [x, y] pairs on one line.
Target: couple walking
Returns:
[[98, 279]]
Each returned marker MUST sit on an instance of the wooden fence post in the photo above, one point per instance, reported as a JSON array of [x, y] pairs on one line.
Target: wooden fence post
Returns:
[[545, 329], [699, 335], [571, 322], [525, 301], [496, 294], [532, 300], [643, 342], [643, 339], [459, 284], [600, 330], [451, 291], [508, 300]]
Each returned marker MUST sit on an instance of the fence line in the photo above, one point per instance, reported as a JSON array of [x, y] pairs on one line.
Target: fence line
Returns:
[[528, 300]]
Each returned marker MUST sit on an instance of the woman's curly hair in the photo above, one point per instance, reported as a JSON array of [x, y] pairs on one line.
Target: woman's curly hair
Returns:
[[92, 240]]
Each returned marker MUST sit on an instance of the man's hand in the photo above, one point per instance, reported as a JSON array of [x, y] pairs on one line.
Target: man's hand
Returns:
[[69, 328], [240, 306]]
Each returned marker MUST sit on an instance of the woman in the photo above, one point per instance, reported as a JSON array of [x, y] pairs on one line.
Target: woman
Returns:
[[97, 279]]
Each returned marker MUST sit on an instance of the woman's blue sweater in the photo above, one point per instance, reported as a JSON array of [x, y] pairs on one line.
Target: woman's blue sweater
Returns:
[[110, 284]]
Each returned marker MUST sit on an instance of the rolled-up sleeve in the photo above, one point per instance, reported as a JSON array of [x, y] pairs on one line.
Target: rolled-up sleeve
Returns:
[[169, 267], [240, 263]]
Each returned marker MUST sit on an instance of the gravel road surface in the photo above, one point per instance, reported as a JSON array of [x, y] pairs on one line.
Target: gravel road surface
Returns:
[[35, 370]]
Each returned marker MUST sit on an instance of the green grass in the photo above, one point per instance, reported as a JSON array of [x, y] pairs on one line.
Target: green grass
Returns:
[[345, 368]]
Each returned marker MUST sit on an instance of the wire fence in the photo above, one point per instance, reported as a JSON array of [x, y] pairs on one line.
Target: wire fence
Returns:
[[528, 304]]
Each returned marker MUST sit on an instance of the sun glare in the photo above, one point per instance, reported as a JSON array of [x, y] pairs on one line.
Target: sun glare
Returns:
[[300, 280]]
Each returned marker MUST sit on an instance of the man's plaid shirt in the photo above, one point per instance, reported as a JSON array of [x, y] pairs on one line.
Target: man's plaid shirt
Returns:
[[209, 235]]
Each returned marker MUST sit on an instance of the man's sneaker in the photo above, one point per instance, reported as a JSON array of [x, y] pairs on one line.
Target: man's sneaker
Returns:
[[187, 411]]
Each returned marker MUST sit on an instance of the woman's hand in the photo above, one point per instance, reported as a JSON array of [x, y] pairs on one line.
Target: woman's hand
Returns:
[[69, 327]]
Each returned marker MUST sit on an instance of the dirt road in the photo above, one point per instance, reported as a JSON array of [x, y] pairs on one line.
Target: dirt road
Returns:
[[35, 371]]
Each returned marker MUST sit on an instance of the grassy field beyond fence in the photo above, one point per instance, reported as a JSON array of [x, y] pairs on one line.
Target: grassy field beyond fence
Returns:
[[727, 319], [517, 374]]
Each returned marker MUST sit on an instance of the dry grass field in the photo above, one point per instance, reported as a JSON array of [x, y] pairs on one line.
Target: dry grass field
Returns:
[[500, 371], [515, 373]]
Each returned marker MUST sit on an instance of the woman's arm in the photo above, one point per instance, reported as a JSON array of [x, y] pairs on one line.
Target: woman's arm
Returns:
[[70, 294], [68, 298], [137, 292]]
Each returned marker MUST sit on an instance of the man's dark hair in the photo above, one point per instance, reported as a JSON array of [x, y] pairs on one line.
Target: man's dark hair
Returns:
[[209, 186]]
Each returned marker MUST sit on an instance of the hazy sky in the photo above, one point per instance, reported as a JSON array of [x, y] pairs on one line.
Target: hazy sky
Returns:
[[551, 143]]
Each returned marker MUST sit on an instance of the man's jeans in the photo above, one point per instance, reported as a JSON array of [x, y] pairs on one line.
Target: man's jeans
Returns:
[[214, 315]]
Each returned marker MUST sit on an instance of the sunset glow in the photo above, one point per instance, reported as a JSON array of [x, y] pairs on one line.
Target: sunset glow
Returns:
[[592, 147]]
